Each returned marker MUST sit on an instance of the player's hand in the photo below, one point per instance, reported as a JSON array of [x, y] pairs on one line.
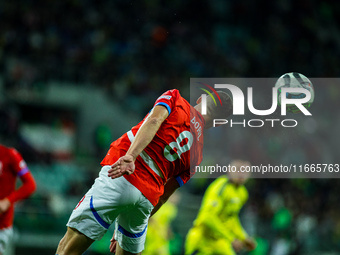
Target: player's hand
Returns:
[[4, 205], [124, 165], [250, 244], [237, 245], [113, 244]]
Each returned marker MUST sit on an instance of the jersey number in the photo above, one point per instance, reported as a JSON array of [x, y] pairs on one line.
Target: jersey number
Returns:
[[176, 146]]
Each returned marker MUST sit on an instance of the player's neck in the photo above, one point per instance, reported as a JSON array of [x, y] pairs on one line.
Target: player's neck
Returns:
[[208, 122]]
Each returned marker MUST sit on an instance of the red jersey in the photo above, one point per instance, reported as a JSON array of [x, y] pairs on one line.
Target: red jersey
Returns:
[[177, 144], [12, 166]]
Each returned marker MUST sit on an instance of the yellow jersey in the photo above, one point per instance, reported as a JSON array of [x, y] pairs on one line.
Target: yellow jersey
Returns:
[[218, 220]]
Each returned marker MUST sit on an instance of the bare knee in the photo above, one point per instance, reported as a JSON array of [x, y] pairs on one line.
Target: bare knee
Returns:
[[120, 251], [73, 243], [61, 245]]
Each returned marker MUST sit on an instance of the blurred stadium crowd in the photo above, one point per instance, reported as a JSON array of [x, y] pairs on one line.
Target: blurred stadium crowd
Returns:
[[144, 46], [135, 50]]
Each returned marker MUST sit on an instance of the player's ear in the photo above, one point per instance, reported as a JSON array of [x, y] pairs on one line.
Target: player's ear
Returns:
[[199, 100]]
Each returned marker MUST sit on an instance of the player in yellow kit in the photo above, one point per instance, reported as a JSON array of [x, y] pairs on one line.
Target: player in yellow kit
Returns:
[[217, 228], [159, 229]]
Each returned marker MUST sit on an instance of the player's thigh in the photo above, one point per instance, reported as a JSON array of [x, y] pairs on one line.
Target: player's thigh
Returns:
[[102, 204], [73, 243], [131, 226]]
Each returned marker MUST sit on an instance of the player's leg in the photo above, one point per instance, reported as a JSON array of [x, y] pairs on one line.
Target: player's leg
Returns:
[[131, 226], [83, 228], [120, 251], [94, 214], [73, 243]]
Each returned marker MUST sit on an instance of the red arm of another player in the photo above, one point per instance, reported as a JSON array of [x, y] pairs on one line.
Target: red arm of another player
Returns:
[[145, 134], [27, 188]]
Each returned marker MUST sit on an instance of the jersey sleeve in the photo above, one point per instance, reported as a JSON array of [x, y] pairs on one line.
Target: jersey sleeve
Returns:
[[26, 189], [237, 228], [168, 99], [184, 177], [18, 163], [212, 205]]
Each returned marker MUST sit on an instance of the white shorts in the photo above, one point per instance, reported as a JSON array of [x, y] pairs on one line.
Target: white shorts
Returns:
[[6, 235], [109, 200]]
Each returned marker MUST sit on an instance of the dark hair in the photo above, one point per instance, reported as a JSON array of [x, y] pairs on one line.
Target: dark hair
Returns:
[[220, 111]]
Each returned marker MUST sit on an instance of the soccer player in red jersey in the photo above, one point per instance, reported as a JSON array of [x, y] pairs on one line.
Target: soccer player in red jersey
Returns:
[[12, 166], [140, 172]]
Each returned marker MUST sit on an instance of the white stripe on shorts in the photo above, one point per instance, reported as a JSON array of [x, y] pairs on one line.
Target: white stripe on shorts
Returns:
[[147, 159]]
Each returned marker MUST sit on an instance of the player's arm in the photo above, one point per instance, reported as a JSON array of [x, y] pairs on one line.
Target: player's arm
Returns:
[[145, 134], [26, 189], [240, 234], [169, 188], [209, 216], [18, 165], [237, 229], [212, 205]]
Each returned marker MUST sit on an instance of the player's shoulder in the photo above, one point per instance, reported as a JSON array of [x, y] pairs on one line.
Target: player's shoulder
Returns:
[[5, 149], [223, 179], [9, 153], [14, 154], [13, 151], [218, 184], [170, 93], [220, 180], [244, 192], [174, 91], [169, 96]]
